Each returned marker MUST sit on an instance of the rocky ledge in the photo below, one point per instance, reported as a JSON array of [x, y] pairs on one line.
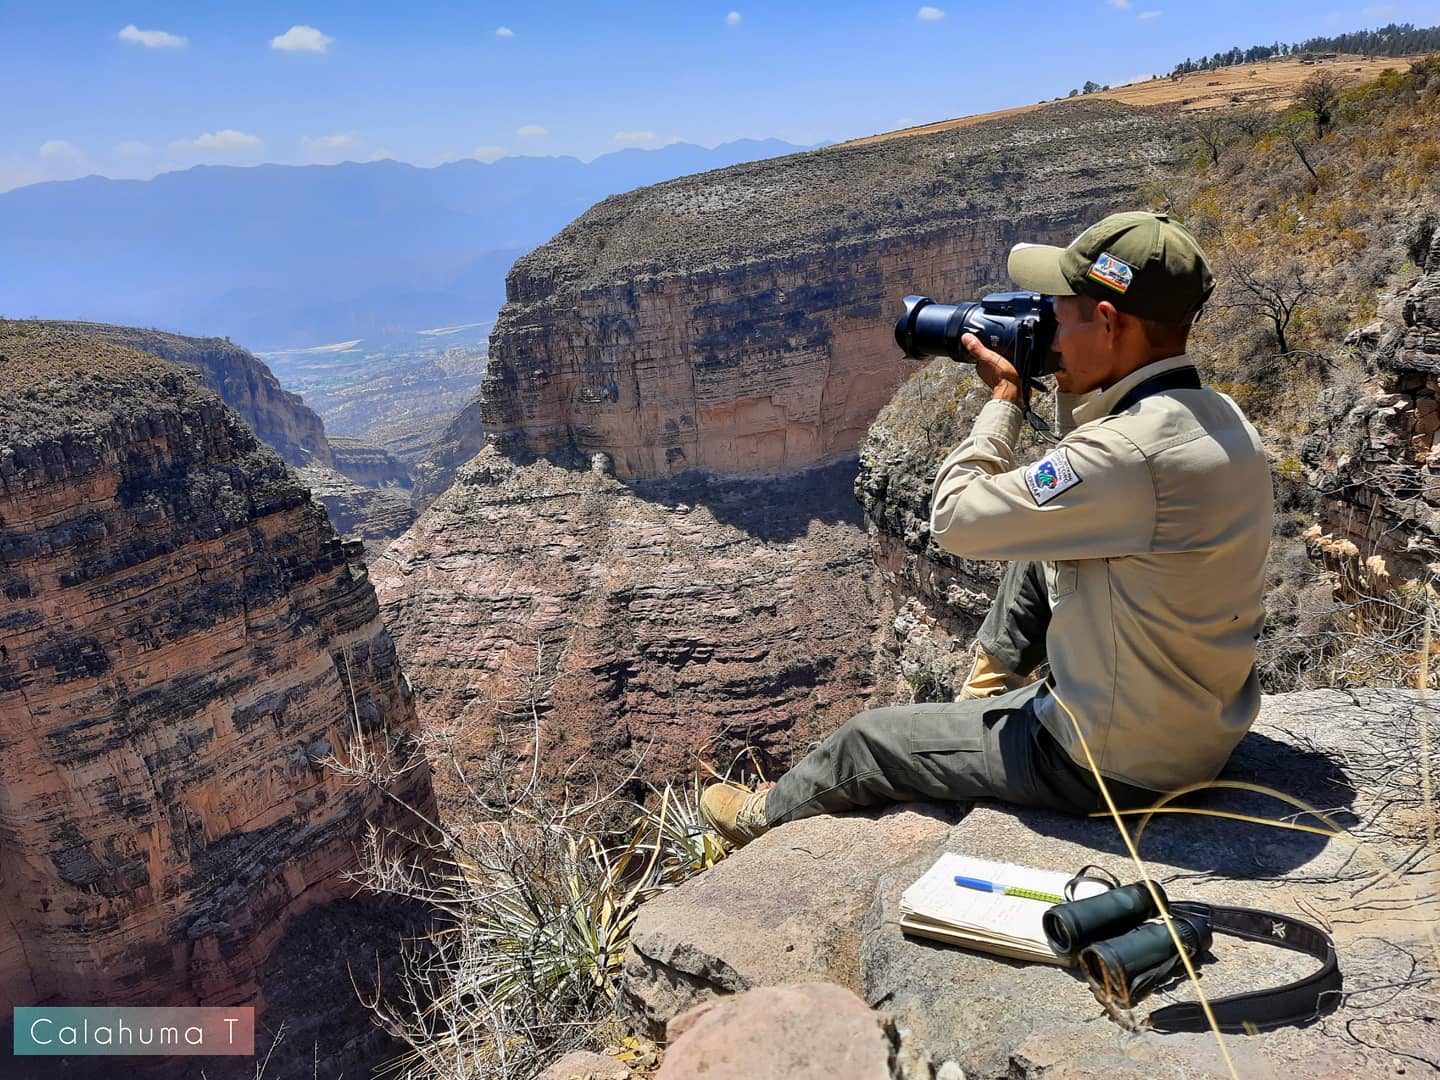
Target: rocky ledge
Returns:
[[817, 900], [278, 418]]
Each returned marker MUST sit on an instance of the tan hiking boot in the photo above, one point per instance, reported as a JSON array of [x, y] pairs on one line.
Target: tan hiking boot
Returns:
[[734, 811]]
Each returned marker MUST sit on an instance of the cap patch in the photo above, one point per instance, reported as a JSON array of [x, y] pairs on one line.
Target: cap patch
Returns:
[[1110, 271], [1050, 476]]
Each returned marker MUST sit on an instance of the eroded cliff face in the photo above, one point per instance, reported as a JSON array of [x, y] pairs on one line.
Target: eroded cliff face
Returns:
[[279, 418], [656, 625], [1376, 466], [183, 643], [373, 466], [741, 320]]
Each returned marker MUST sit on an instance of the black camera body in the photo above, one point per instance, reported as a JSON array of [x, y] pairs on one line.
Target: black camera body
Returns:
[[1018, 325]]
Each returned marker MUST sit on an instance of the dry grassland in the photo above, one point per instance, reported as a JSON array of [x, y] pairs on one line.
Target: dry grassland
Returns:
[[1270, 84]]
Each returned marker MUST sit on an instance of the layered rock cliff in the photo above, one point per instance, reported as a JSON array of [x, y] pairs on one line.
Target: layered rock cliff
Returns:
[[183, 644], [279, 418], [373, 466], [658, 625], [741, 320]]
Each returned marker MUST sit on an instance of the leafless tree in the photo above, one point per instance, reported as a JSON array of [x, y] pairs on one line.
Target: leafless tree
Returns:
[[1318, 96], [1211, 130], [1273, 290], [1296, 130], [1251, 121]]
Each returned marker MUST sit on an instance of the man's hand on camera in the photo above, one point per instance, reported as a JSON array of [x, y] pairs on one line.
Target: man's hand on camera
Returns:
[[994, 370]]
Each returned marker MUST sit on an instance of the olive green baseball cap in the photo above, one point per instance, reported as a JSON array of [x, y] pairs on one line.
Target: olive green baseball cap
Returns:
[[1145, 264]]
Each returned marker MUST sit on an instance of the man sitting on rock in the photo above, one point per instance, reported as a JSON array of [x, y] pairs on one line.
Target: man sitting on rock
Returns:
[[1137, 548]]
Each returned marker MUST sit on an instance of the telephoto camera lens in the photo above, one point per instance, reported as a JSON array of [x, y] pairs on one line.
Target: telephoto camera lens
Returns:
[[1070, 927], [1018, 325]]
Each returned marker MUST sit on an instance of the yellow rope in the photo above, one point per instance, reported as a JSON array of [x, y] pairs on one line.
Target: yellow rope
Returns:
[[1154, 892], [1334, 832]]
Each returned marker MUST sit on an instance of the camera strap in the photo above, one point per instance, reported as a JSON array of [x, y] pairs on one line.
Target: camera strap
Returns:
[[1184, 378], [1297, 1002]]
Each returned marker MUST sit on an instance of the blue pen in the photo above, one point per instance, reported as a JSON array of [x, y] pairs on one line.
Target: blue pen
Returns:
[[1008, 890]]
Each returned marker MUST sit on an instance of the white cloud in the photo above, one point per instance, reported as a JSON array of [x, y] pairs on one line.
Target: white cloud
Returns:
[[929, 14], [733, 19], [532, 131], [59, 150], [504, 32], [131, 149], [1379, 11], [902, 122], [1146, 16], [381, 155], [302, 39], [327, 142], [1123, 5], [227, 139], [151, 39], [634, 138], [488, 154]]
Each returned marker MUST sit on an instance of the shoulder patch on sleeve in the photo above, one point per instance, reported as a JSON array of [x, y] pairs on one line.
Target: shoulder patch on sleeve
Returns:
[[1050, 476]]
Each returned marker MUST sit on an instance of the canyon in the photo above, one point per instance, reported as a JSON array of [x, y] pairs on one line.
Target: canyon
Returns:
[[185, 647], [740, 320], [673, 367]]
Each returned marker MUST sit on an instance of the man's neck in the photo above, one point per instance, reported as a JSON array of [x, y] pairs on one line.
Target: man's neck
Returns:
[[1137, 364]]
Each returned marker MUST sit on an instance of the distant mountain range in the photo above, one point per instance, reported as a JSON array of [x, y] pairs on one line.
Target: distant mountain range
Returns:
[[280, 256]]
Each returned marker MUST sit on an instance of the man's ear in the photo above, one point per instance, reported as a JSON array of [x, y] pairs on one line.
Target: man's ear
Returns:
[[1110, 318]]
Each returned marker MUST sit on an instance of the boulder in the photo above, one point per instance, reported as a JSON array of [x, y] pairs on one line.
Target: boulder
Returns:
[[789, 911], [815, 1030]]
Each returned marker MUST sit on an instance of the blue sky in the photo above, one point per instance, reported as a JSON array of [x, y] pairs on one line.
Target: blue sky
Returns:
[[128, 90]]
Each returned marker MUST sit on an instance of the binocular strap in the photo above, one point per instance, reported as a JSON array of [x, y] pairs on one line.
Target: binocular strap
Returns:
[[1294, 1003]]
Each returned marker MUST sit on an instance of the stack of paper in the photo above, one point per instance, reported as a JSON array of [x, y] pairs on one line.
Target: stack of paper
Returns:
[[936, 907]]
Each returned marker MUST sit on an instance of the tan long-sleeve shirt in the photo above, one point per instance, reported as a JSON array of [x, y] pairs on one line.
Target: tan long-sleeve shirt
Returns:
[[1153, 525]]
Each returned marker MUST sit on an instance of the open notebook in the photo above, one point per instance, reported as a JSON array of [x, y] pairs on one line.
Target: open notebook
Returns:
[[935, 907]]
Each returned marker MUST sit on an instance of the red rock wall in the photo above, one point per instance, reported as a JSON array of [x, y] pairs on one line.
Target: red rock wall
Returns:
[[182, 640], [758, 368], [652, 628]]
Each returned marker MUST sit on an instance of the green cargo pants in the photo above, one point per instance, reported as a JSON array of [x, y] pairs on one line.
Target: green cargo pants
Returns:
[[989, 748]]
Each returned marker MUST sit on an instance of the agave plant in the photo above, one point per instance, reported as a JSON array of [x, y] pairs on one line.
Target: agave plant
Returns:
[[535, 922]]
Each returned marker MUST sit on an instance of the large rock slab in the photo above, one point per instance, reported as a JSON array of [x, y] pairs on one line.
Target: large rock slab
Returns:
[[1352, 755], [789, 911]]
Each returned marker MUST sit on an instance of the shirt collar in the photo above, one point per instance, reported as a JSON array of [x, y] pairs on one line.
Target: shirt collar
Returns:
[[1100, 404]]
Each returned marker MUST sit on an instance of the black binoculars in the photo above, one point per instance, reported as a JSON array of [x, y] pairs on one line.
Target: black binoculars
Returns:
[[1117, 946]]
